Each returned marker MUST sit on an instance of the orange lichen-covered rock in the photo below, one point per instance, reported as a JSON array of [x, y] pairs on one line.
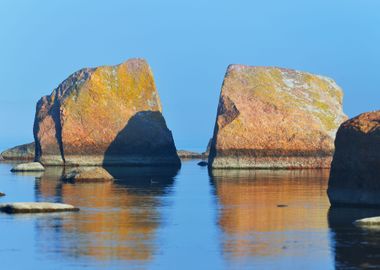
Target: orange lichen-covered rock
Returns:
[[355, 170], [275, 118], [110, 115]]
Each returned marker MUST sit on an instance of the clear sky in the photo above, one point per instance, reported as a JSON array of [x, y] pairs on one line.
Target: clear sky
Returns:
[[188, 44]]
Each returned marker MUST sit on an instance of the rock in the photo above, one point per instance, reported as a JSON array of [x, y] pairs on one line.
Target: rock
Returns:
[[354, 176], [36, 207], [207, 152], [183, 154], [202, 163], [28, 167], [2, 194], [275, 118], [109, 115], [94, 174], [21, 152]]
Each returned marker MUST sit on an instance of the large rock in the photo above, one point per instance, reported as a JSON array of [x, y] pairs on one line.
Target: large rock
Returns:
[[355, 170], [88, 175], [20, 152], [109, 115], [36, 207], [275, 118], [28, 167]]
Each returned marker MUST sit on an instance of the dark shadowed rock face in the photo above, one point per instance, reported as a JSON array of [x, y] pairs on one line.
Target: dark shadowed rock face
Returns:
[[355, 170], [109, 115], [20, 152], [275, 118]]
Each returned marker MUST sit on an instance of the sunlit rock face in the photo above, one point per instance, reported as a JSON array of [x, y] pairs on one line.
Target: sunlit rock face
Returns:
[[355, 170], [275, 118], [110, 115], [20, 152]]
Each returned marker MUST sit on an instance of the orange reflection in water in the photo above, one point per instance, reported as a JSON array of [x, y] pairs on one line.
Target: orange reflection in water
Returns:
[[116, 221], [256, 205]]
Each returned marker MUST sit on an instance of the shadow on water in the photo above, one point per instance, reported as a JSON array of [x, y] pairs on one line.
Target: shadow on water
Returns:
[[144, 140], [118, 220], [258, 209], [355, 247]]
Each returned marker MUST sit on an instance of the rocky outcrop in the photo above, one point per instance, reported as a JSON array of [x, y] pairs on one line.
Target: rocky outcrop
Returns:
[[28, 167], [184, 154], [20, 152], [275, 118], [88, 175], [109, 115], [36, 207], [354, 176]]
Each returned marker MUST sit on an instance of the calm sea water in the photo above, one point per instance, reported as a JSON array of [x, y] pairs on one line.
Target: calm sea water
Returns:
[[152, 218]]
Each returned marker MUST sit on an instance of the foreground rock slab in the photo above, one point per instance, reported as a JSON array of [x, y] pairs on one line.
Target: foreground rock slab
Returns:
[[86, 175], [372, 221], [275, 118], [20, 152], [355, 170], [28, 167], [109, 115], [36, 207]]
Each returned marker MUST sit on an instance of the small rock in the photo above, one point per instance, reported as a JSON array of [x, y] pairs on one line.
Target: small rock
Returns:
[[372, 221], [28, 167], [91, 174], [36, 207], [2, 194], [202, 163]]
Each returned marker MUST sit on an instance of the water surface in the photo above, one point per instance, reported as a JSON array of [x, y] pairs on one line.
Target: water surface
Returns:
[[151, 218]]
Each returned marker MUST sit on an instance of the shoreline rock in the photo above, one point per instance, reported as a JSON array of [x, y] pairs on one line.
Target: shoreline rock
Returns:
[[109, 115], [354, 176], [20, 152], [88, 175], [28, 167], [275, 118], [36, 207]]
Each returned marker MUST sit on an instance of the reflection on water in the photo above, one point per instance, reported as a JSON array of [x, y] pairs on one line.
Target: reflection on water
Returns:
[[118, 219], [355, 248], [253, 223]]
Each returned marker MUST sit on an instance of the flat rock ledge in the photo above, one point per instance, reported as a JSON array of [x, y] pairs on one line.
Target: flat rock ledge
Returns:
[[36, 207], [368, 222], [28, 167], [88, 175]]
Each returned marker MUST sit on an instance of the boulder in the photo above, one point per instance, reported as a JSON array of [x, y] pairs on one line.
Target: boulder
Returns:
[[355, 170], [2, 194], [21, 152], [272, 117], [28, 167], [109, 115], [202, 163], [94, 174], [36, 207]]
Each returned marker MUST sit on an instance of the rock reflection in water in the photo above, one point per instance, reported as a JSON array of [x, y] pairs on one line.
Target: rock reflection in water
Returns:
[[251, 220], [118, 220], [355, 247]]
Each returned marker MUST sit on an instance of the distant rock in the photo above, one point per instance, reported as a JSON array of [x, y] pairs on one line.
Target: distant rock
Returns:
[[202, 163], [21, 152], [2, 194], [109, 115], [28, 167], [36, 207], [183, 154], [355, 170], [94, 174], [275, 118]]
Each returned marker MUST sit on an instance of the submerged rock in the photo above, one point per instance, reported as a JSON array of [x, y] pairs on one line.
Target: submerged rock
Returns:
[[275, 118], [355, 170], [36, 207], [95, 174], [20, 152], [110, 115], [28, 167], [202, 163]]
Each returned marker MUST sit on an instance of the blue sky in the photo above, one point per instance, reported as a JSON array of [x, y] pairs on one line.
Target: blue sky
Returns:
[[188, 44]]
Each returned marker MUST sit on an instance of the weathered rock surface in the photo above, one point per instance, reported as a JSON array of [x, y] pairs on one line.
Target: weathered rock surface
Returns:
[[20, 152], [36, 207], [95, 174], [109, 115], [355, 170], [275, 118], [28, 167]]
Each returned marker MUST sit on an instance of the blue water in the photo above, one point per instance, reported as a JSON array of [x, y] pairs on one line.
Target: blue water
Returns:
[[151, 218]]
